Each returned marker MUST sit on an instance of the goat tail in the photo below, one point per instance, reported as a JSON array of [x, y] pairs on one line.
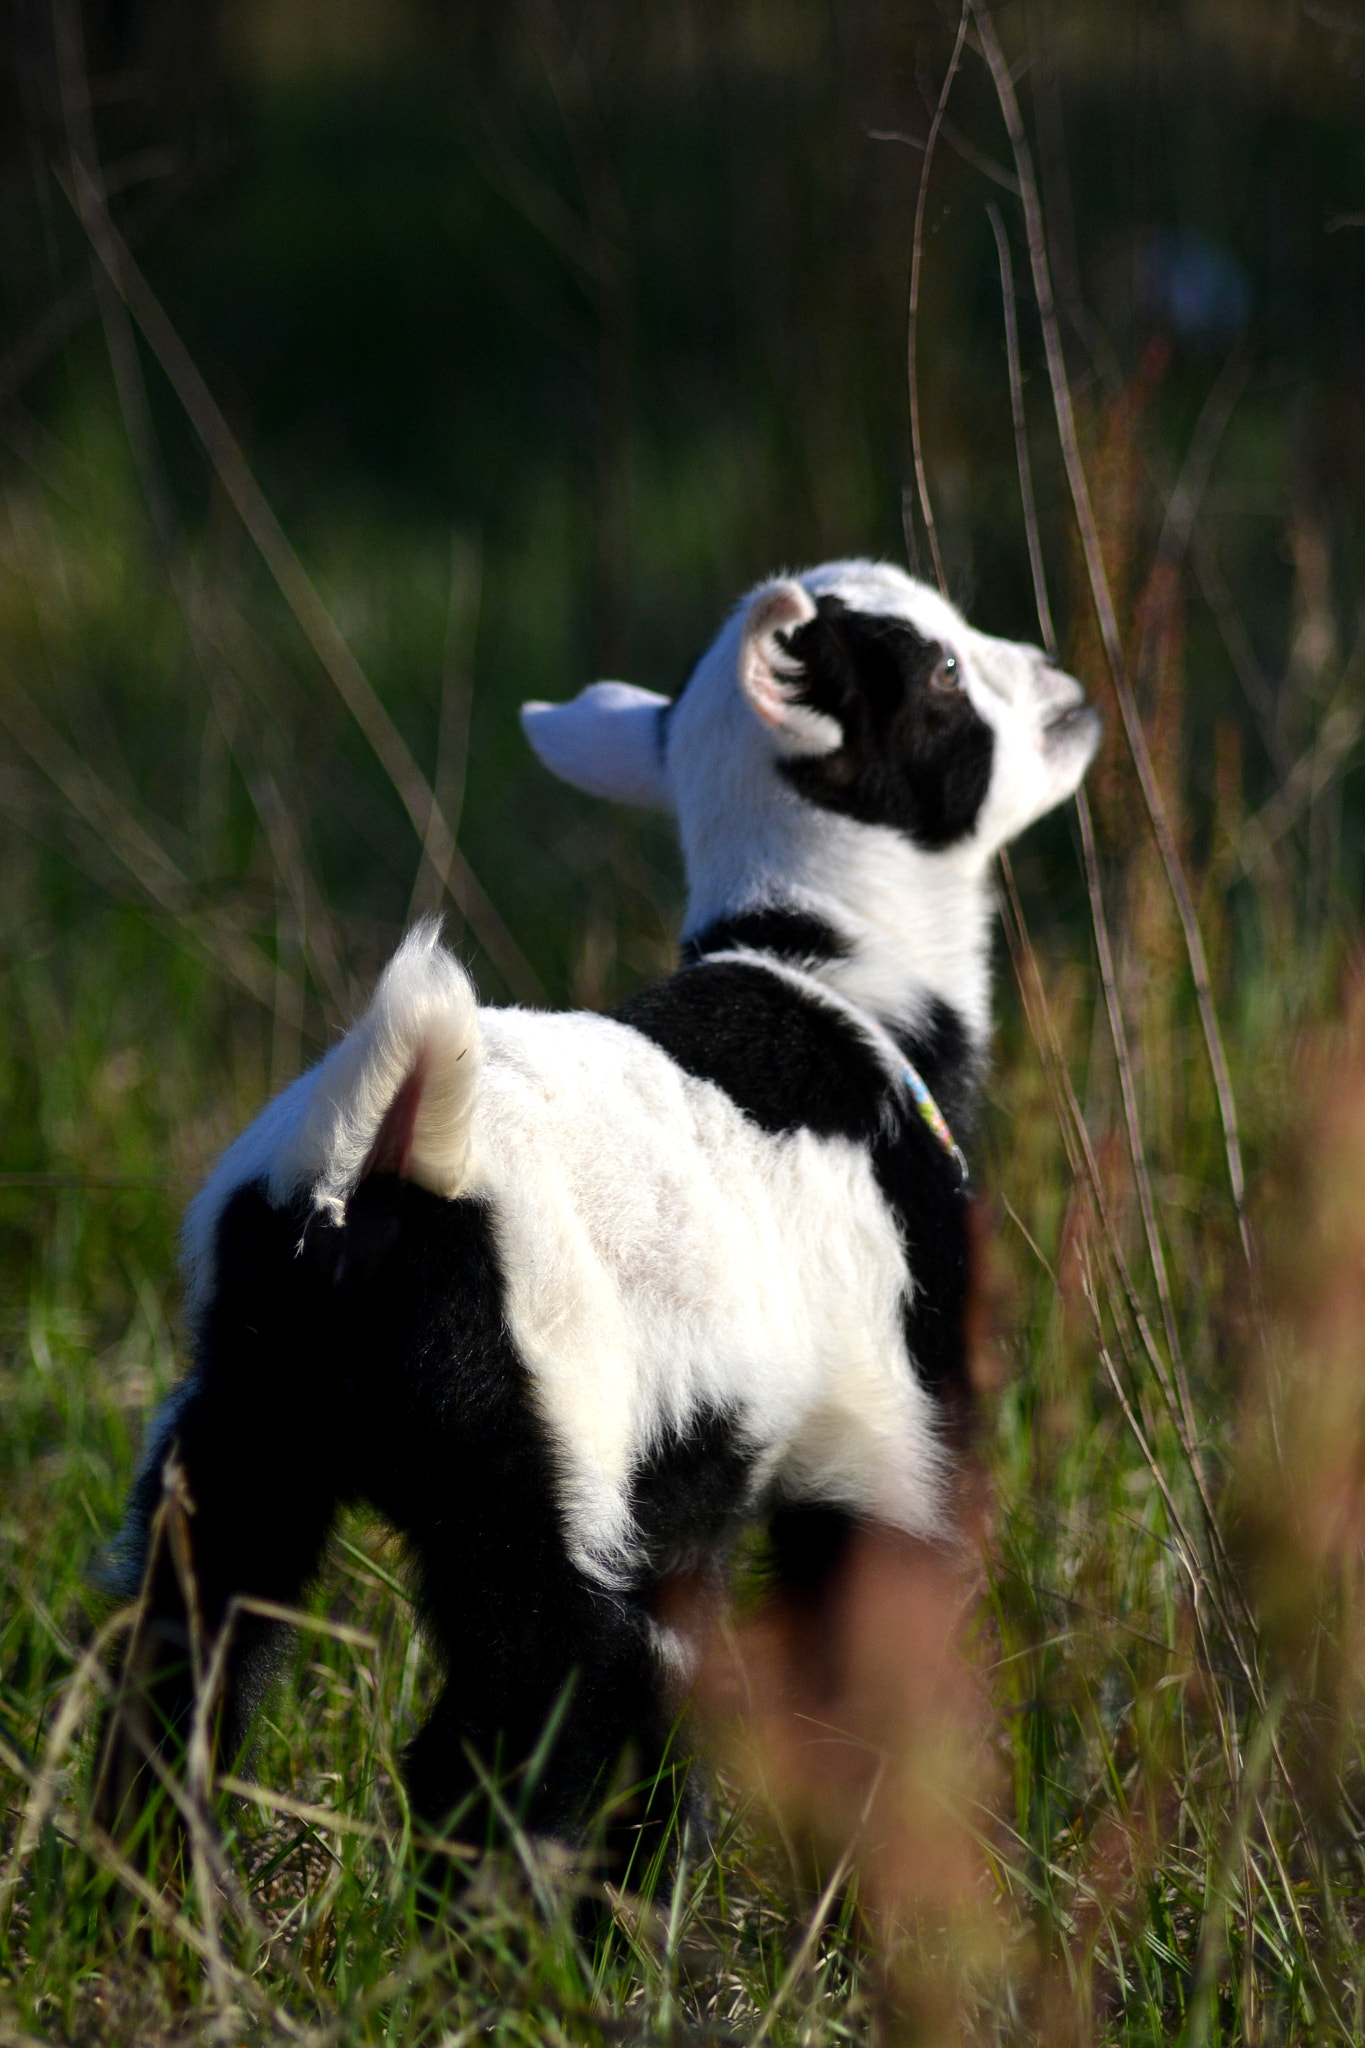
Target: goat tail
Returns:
[[398, 1094]]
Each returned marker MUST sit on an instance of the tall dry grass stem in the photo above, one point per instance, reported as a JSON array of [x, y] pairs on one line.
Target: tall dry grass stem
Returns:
[[212, 936], [1104, 946], [1022, 460], [912, 316], [457, 704], [1108, 623]]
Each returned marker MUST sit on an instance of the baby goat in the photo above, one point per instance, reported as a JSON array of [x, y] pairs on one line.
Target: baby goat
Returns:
[[569, 1298]]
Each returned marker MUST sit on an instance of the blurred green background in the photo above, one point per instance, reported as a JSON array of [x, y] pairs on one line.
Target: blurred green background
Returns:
[[546, 329]]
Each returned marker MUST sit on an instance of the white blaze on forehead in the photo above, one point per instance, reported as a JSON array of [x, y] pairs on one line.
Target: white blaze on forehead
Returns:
[[888, 592], [883, 591]]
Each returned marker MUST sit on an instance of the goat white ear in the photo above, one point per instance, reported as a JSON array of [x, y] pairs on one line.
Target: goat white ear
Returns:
[[768, 672], [608, 740]]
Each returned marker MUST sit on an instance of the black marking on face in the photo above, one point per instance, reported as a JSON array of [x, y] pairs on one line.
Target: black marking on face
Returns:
[[916, 754]]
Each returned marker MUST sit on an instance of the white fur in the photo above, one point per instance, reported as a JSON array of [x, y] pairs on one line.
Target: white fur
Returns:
[[319, 1133], [917, 924], [424, 1010], [664, 1256], [662, 1253]]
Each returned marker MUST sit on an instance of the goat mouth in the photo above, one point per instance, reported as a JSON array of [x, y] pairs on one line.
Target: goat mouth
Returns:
[[1077, 719]]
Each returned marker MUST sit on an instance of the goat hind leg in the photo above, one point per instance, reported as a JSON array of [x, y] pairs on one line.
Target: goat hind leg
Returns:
[[235, 1498]]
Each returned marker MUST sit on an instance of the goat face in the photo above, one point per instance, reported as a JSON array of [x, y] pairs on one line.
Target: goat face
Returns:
[[851, 693]]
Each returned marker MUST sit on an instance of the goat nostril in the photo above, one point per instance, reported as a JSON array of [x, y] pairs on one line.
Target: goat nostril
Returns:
[[1057, 688]]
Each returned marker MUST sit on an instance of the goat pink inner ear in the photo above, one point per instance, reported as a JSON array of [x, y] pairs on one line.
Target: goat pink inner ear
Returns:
[[764, 662], [391, 1151], [768, 672]]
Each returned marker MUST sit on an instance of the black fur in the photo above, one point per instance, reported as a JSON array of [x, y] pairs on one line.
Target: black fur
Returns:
[[807, 1543], [689, 1497], [948, 1063], [793, 935], [791, 1062], [372, 1362], [787, 1062], [914, 756], [356, 1370]]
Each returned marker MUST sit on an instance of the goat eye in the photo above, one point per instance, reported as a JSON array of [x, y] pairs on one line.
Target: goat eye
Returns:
[[947, 674]]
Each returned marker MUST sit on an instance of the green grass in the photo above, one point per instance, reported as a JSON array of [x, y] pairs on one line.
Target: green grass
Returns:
[[1160, 1812], [1167, 1851]]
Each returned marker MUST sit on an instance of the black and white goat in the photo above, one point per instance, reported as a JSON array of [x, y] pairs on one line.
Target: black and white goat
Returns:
[[570, 1298]]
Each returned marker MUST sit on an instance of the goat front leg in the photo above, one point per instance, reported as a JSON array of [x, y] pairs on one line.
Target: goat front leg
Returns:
[[555, 1712]]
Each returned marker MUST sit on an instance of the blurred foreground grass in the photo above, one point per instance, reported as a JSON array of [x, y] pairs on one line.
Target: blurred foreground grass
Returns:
[[1169, 1827], [1158, 1831], [1171, 1831]]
